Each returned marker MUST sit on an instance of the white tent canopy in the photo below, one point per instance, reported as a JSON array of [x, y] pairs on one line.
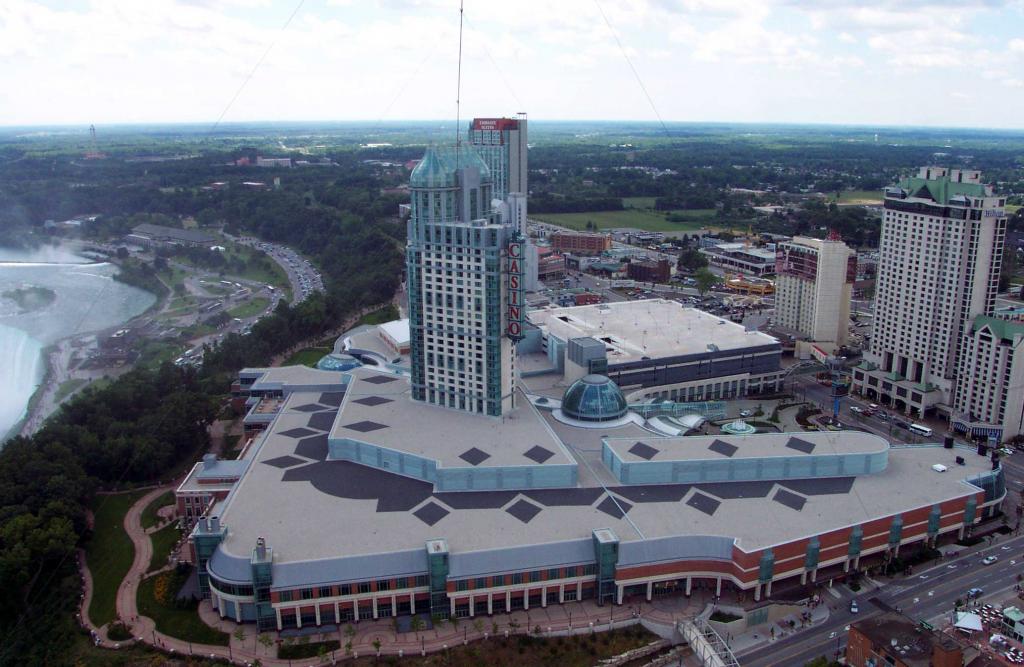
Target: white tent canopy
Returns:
[[968, 621]]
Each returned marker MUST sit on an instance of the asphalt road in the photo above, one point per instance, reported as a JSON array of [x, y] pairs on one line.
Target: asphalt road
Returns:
[[927, 595]]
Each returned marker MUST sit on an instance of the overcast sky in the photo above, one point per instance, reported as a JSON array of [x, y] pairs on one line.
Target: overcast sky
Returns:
[[914, 62]]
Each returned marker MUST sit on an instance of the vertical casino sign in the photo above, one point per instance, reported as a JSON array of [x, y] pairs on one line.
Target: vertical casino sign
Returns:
[[514, 295]]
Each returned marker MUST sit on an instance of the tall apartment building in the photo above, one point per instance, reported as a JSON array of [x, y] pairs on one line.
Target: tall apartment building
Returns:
[[501, 143], [813, 287], [990, 403], [938, 268], [456, 259]]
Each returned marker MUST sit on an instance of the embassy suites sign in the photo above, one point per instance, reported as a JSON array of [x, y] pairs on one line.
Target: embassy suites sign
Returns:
[[514, 251]]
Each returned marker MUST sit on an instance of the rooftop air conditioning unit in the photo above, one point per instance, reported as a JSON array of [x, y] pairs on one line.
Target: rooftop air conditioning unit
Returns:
[[938, 467]]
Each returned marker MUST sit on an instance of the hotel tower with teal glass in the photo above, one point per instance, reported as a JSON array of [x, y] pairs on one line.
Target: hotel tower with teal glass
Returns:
[[458, 262]]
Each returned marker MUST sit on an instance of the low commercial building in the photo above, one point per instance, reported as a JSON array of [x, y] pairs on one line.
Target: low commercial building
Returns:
[[989, 401], [366, 504], [649, 271], [740, 257], [659, 349], [153, 235], [895, 640], [580, 243]]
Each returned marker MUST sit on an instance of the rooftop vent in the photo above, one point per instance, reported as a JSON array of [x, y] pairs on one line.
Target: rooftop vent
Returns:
[[938, 467]]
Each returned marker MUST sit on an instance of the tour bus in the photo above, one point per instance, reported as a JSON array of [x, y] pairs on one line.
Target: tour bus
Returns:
[[920, 430]]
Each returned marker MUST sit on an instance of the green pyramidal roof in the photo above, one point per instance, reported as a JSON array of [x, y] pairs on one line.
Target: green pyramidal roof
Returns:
[[1005, 329], [440, 164], [941, 190]]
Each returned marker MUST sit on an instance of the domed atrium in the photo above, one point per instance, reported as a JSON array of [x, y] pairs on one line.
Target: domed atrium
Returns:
[[594, 398]]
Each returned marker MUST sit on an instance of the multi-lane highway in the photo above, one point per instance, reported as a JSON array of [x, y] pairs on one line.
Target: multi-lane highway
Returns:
[[927, 595]]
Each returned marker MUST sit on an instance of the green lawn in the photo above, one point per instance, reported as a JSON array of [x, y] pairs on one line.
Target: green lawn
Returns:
[[638, 202], [149, 517], [385, 314], [155, 352], [109, 553], [69, 387], [252, 307], [631, 217], [307, 357], [163, 541], [857, 197], [182, 621]]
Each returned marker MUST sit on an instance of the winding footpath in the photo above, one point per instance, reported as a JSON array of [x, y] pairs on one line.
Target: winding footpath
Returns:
[[246, 649]]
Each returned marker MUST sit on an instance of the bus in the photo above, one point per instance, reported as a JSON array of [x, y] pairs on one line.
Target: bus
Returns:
[[920, 430]]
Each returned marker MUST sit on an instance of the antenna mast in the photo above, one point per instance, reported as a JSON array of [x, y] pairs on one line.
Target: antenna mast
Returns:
[[458, 87]]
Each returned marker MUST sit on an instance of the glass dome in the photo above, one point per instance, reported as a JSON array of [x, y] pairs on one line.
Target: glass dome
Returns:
[[337, 362], [594, 398]]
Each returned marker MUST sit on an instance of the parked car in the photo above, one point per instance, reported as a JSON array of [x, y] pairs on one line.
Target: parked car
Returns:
[[745, 413], [975, 592], [856, 409]]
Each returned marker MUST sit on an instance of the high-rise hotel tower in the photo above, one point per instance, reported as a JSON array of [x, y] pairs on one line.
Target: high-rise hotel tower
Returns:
[[938, 269], [464, 265]]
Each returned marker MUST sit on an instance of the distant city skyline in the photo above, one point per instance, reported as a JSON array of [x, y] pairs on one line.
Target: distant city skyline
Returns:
[[918, 63]]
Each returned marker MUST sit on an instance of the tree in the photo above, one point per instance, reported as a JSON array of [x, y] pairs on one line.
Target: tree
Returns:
[[705, 280], [691, 260], [239, 634]]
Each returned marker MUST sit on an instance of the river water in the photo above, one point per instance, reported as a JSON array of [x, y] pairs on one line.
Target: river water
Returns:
[[87, 299]]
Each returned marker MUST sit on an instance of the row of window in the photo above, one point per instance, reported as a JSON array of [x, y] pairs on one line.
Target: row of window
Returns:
[[378, 586], [517, 578]]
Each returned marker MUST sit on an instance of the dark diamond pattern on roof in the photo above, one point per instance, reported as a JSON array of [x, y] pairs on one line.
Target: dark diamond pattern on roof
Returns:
[[475, 500], [430, 513], [365, 426], [800, 445], [789, 499], [539, 454], [614, 507], [284, 462], [297, 433], [322, 421], [734, 490], [313, 448], [523, 510], [819, 487], [332, 398], [706, 504], [372, 401], [563, 497], [474, 456], [308, 407], [643, 450], [653, 493], [380, 379], [722, 447]]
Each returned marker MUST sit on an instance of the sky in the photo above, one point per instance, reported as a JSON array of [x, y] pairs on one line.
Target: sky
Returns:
[[912, 63]]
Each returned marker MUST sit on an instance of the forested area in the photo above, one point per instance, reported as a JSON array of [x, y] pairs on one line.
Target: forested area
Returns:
[[148, 424]]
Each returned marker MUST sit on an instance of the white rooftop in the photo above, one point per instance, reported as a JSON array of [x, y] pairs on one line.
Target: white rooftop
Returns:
[[397, 331], [652, 328]]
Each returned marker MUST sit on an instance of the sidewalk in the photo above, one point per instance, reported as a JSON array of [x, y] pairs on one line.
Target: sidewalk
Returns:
[[762, 634]]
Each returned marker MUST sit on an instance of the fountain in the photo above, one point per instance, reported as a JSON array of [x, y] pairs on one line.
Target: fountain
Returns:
[[738, 427]]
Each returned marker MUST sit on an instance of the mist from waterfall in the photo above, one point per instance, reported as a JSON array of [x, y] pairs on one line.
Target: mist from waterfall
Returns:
[[87, 299]]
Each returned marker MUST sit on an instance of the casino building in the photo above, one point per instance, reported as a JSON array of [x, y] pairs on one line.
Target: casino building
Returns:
[[449, 487]]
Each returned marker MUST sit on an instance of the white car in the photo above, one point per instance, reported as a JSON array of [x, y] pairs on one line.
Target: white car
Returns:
[[988, 560], [856, 409], [745, 413]]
